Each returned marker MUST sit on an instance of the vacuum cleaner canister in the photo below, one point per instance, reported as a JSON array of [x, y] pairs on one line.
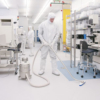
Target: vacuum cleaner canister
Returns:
[[24, 68]]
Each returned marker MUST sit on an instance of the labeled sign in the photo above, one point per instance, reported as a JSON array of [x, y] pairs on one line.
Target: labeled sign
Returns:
[[17, 17]]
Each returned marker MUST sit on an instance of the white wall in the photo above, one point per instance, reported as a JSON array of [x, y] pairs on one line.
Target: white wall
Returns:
[[12, 13], [23, 21], [35, 26], [30, 22]]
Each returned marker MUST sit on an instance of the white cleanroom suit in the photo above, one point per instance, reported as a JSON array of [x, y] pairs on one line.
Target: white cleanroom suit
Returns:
[[48, 34], [22, 39], [30, 40]]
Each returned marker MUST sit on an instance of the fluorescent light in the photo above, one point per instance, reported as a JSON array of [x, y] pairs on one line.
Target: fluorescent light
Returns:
[[6, 3], [46, 5]]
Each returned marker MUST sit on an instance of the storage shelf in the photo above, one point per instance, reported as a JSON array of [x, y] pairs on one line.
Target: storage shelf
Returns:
[[80, 19], [83, 18], [82, 29]]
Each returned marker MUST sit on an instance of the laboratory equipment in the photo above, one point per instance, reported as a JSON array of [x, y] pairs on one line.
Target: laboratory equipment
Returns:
[[97, 38], [94, 19]]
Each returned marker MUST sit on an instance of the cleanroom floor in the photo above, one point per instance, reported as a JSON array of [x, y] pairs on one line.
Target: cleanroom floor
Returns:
[[59, 89]]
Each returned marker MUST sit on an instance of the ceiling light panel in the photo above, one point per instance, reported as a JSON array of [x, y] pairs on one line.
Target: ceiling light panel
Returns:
[[6, 4], [12, 3], [2, 6]]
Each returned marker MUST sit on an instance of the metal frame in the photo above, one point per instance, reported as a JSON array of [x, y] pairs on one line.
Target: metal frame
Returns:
[[71, 43], [74, 41], [75, 38]]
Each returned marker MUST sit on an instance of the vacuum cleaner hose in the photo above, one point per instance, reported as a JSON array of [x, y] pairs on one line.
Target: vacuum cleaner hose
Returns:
[[37, 74], [43, 77]]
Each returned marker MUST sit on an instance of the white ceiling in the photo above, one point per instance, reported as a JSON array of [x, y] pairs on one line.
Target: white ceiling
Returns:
[[34, 6]]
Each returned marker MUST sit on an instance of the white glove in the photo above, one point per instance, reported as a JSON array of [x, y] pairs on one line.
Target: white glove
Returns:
[[45, 43], [52, 44]]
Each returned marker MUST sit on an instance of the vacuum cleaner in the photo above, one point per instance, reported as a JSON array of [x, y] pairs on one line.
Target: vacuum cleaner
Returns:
[[24, 71]]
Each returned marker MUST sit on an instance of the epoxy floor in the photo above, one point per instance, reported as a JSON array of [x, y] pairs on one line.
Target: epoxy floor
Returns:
[[59, 89]]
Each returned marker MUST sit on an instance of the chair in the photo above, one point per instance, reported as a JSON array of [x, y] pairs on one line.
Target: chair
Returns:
[[14, 50], [86, 51]]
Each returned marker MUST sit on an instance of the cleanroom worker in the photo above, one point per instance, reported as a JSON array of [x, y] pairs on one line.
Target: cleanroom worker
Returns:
[[30, 40], [48, 34]]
